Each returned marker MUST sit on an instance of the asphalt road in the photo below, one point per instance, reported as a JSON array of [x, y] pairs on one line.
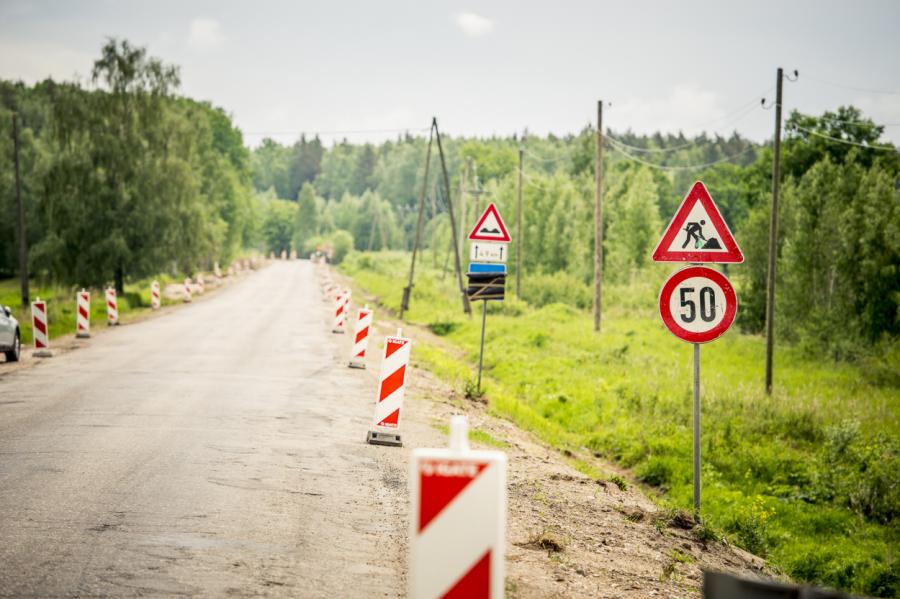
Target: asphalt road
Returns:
[[214, 450]]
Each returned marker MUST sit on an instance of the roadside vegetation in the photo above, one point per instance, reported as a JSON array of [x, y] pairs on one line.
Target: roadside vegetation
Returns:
[[61, 305], [807, 478]]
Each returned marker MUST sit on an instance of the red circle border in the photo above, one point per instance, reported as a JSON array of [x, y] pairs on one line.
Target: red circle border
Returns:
[[714, 333]]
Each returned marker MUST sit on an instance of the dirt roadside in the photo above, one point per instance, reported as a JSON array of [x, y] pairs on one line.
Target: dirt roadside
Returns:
[[568, 535]]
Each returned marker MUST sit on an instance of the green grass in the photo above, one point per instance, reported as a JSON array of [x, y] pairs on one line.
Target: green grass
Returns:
[[61, 305], [807, 477]]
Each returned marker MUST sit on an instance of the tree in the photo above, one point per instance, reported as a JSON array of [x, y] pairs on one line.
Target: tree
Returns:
[[307, 220]]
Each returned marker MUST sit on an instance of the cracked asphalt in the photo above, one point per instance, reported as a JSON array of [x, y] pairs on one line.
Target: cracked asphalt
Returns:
[[214, 450]]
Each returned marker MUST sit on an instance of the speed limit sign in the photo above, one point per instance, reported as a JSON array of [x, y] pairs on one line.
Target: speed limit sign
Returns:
[[697, 304]]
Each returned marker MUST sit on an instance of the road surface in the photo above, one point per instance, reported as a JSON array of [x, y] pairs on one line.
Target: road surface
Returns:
[[214, 450]]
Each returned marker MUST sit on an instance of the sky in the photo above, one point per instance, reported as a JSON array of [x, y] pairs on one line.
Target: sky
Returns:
[[368, 69]]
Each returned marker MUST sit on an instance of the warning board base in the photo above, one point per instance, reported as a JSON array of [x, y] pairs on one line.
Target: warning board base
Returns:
[[82, 336], [338, 331], [377, 438], [42, 353], [360, 365]]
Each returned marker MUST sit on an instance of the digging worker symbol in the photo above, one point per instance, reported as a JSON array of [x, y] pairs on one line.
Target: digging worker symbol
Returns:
[[694, 232]]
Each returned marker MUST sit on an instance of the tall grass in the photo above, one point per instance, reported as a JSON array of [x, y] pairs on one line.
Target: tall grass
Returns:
[[61, 306], [807, 477]]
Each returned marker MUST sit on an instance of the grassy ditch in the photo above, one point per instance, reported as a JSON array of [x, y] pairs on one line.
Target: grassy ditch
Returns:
[[808, 478]]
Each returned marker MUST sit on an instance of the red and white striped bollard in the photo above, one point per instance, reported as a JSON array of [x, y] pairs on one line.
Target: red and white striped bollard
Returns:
[[458, 520], [361, 338], [340, 308], [39, 329], [200, 284], [112, 307], [82, 314], [155, 298], [391, 389]]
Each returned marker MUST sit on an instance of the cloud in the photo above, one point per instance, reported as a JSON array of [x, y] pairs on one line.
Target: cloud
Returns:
[[685, 108], [206, 34], [474, 25]]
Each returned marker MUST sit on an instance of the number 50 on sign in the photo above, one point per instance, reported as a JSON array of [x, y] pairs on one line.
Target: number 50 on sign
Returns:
[[697, 304]]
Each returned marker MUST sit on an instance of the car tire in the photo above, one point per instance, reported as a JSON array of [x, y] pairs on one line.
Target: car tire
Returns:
[[13, 354]]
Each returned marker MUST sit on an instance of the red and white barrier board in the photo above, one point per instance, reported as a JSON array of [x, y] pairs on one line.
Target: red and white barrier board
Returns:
[[40, 332], [112, 307], [361, 338], [200, 284], [83, 314], [341, 304], [391, 389], [458, 520], [155, 300], [188, 294]]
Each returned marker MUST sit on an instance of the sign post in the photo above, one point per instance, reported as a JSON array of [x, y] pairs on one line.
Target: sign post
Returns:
[[487, 266], [697, 304]]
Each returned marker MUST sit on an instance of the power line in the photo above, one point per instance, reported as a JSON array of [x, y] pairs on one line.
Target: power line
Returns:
[[339, 132], [852, 87], [843, 141], [618, 147], [848, 121]]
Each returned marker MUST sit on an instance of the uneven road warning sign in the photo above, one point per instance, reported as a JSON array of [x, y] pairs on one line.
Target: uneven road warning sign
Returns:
[[698, 233], [697, 304], [490, 227], [391, 389], [458, 520]]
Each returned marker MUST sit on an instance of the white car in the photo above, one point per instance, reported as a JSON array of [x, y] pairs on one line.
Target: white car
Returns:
[[10, 337]]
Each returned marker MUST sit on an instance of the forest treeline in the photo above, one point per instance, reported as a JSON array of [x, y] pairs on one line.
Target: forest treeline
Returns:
[[839, 239], [123, 177]]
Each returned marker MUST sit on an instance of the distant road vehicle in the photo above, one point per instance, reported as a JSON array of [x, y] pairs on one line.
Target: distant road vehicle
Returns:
[[10, 339]]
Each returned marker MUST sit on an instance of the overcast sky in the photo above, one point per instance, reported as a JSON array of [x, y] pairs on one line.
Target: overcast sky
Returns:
[[484, 67]]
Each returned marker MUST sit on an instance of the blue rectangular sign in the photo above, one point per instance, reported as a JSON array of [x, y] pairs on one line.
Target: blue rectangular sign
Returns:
[[486, 267]]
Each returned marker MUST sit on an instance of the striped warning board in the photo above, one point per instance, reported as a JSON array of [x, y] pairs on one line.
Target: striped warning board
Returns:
[[391, 389], [188, 292], [361, 338], [39, 328], [457, 524], [341, 303], [112, 307], [83, 314], [154, 295]]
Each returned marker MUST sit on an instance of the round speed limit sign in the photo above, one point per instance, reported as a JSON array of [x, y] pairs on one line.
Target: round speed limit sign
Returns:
[[697, 304]]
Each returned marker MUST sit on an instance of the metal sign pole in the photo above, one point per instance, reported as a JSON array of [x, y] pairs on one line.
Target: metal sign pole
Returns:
[[481, 352], [697, 431]]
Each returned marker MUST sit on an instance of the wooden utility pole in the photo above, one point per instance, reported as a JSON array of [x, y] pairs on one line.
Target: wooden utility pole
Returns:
[[598, 218], [463, 205], [23, 241], [773, 235], [407, 291], [465, 298], [519, 226]]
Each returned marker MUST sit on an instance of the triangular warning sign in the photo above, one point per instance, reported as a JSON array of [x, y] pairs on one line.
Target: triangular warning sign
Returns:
[[490, 227], [698, 233]]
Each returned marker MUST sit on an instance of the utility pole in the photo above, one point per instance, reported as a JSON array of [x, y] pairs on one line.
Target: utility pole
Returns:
[[598, 218], [773, 236], [407, 291], [463, 196], [23, 241], [519, 226], [465, 298]]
